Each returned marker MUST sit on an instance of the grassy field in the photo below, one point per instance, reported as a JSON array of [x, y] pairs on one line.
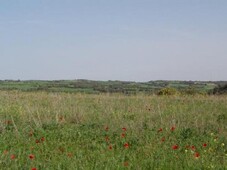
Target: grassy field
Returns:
[[42, 130]]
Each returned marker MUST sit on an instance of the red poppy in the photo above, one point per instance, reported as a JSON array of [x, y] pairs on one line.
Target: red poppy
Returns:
[[37, 141], [174, 147], [196, 155], [30, 133], [123, 135], [204, 145], [33, 169], [110, 147], [42, 139], [193, 147], [31, 156], [163, 139], [107, 138], [173, 128], [160, 130], [13, 156], [126, 145], [124, 129]]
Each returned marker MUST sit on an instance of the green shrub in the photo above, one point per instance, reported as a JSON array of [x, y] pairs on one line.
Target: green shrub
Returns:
[[167, 91]]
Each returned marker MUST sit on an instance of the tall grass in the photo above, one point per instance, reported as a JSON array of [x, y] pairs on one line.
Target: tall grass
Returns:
[[78, 131]]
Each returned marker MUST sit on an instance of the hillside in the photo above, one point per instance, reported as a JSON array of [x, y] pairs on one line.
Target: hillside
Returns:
[[94, 87]]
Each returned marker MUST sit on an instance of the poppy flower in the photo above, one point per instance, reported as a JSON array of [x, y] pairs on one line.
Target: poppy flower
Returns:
[[163, 139], [37, 141], [160, 130], [110, 147], [196, 155], [13, 156], [33, 169], [174, 147], [42, 139], [204, 145], [124, 129], [31, 156], [31, 133], [193, 147], [126, 145], [123, 135], [107, 138], [173, 128]]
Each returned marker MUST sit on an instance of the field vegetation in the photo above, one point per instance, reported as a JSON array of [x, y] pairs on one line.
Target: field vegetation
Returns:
[[124, 87], [56, 130]]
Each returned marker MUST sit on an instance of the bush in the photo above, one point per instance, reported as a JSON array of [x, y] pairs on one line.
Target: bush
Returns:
[[167, 91]]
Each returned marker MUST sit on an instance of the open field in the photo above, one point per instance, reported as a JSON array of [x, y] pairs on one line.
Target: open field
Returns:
[[43, 130]]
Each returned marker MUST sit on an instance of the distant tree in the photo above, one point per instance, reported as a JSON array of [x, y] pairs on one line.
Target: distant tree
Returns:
[[221, 89]]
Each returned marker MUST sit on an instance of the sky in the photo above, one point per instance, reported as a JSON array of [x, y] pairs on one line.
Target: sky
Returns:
[[128, 40]]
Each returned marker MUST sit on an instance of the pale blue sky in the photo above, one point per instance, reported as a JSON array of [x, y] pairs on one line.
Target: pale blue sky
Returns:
[[136, 40]]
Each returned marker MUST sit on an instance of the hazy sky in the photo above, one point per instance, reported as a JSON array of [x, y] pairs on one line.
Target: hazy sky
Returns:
[[136, 40]]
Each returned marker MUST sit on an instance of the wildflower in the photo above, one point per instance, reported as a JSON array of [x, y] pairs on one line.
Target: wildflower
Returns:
[[106, 128], [160, 130], [222, 144], [37, 141], [186, 150], [124, 129], [196, 155], [31, 133], [13, 156], [174, 147], [110, 147], [193, 147], [173, 128], [126, 145], [107, 138], [204, 145], [42, 139], [31, 156], [33, 169], [163, 139], [123, 135]]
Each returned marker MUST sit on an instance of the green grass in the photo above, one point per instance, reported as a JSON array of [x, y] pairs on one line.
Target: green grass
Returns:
[[75, 133]]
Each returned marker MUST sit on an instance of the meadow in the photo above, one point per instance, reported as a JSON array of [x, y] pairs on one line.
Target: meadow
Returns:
[[51, 130]]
